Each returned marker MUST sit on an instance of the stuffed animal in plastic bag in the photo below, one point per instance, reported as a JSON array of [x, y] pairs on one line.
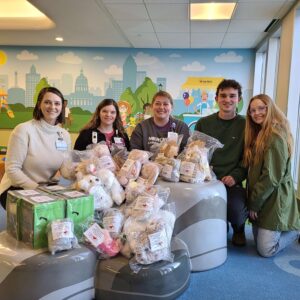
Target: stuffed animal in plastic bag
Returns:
[[152, 245], [101, 240], [133, 190], [170, 166], [61, 235], [150, 172], [100, 150], [102, 157], [93, 186], [130, 225], [113, 220], [132, 166], [145, 206], [194, 165], [169, 149], [83, 168], [119, 155], [112, 185]]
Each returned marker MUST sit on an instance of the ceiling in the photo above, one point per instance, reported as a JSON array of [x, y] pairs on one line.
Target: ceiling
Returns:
[[147, 24]]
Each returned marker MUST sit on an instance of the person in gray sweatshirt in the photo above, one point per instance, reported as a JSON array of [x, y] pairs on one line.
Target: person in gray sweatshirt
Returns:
[[159, 126]]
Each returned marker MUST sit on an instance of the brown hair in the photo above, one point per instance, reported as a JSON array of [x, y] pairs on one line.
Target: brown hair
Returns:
[[257, 136], [96, 121], [37, 112], [229, 83], [162, 94]]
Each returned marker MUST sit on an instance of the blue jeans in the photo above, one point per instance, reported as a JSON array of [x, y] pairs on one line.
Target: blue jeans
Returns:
[[237, 212], [269, 243]]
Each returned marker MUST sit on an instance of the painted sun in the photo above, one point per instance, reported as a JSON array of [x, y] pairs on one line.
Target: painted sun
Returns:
[[3, 57]]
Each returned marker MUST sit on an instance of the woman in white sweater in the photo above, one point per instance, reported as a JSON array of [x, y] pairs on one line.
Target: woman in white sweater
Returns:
[[36, 148]]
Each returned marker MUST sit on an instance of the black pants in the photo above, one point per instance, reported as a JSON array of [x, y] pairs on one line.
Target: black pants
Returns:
[[3, 196], [237, 212]]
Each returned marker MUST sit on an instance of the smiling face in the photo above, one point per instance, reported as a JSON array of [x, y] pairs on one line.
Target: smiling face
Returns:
[[51, 107], [228, 100], [257, 111], [161, 108], [108, 115]]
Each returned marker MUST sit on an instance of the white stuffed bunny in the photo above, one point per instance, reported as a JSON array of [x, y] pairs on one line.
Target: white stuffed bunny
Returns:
[[112, 185], [92, 185]]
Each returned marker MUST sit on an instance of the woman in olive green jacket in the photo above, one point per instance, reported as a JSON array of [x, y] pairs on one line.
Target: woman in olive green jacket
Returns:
[[273, 207]]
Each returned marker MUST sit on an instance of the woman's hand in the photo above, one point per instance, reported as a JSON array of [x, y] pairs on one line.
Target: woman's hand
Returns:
[[253, 215], [228, 180]]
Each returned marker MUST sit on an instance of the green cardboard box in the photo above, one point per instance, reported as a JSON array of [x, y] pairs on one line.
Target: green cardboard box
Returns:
[[79, 208], [34, 210], [13, 202], [53, 189]]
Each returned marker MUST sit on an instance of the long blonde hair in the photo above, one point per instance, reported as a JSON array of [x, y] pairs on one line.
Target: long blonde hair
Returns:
[[258, 136]]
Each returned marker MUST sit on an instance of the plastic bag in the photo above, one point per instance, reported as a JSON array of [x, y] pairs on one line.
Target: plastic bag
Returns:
[[102, 241], [61, 235]]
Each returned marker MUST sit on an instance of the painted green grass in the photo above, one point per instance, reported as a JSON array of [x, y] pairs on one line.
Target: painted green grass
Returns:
[[20, 117], [78, 122], [6, 123]]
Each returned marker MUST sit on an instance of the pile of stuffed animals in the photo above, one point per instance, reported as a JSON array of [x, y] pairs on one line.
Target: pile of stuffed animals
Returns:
[[133, 216]]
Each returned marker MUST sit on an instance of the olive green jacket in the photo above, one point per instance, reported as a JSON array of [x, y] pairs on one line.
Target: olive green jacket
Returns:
[[270, 189]]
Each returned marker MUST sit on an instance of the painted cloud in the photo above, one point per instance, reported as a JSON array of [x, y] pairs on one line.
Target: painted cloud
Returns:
[[98, 57], [195, 66], [144, 59], [69, 58], [174, 55], [229, 57], [113, 70], [26, 55]]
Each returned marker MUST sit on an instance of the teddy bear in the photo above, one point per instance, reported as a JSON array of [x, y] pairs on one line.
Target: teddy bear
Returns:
[[170, 165], [67, 168], [100, 149], [130, 225], [140, 155], [83, 168], [170, 149], [112, 185], [133, 190], [195, 165], [119, 155], [149, 172], [132, 166], [93, 186], [152, 244], [145, 206]]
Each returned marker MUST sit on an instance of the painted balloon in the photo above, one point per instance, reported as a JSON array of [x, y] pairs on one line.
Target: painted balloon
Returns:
[[187, 102], [191, 98], [185, 95]]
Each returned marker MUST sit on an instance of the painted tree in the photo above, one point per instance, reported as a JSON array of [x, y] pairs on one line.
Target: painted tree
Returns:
[[146, 91], [131, 98], [42, 84], [240, 105]]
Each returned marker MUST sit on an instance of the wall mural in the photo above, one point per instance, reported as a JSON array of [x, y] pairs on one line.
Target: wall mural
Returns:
[[130, 76]]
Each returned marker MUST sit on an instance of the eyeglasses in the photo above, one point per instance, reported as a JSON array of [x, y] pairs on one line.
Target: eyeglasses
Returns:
[[259, 109]]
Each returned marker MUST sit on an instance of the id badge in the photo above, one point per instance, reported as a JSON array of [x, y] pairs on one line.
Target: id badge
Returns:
[[61, 145], [94, 137], [173, 136], [119, 141]]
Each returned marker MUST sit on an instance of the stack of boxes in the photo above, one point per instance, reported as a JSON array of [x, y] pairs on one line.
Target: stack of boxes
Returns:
[[29, 212]]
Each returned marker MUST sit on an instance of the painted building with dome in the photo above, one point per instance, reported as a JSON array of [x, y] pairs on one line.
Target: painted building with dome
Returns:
[[82, 97]]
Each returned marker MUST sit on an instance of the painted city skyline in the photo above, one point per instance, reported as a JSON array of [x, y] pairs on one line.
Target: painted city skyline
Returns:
[[87, 75]]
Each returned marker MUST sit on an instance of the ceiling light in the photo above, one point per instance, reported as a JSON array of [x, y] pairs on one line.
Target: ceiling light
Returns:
[[20, 14], [59, 39], [211, 11]]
